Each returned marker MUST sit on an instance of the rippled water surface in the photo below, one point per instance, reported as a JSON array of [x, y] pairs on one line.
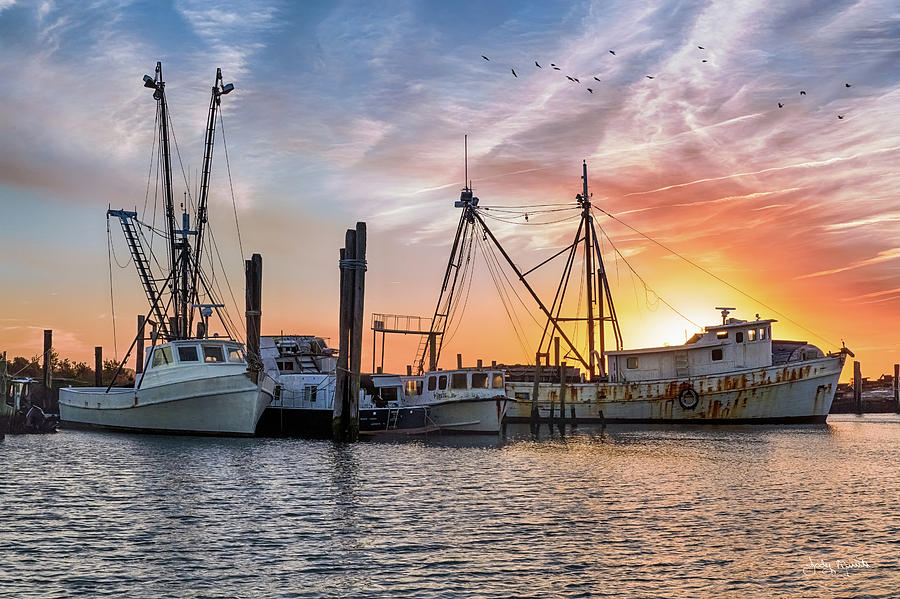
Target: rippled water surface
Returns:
[[625, 511]]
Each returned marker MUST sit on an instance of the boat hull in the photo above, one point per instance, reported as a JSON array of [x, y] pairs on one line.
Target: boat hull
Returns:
[[787, 393], [473, 415], [226, 405]]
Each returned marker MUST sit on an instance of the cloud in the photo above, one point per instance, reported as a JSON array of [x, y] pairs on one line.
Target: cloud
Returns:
[[883, 256], [875, 219]]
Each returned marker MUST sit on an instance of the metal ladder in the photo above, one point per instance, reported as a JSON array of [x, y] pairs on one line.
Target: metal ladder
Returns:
[[141, 262]]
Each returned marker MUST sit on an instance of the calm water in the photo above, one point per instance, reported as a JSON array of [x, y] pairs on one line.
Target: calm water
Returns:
[[627, 511]]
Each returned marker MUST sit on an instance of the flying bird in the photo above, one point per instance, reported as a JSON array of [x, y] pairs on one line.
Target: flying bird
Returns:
[[552, 64], [704, 60], [485, 57], [649, 77], [556, 68], [569, 78], [537, 65], [514, 73], [701, 47], [590, 90], [780, 105], [595, 79], [802, 93], [840, 116], [611, 52], [575, 79], [847, 85]]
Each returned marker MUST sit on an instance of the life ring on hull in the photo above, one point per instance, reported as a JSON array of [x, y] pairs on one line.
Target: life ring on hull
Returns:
[[688, 398]]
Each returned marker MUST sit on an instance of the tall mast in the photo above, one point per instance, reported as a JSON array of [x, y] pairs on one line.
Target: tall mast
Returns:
[[588, 266], [159, 94], [218, 90]]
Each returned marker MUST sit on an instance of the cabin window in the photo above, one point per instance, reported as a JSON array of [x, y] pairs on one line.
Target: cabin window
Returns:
[[739, 337], [442, 382], [717, 354], [722, 335], [414, 387], [388, 393], [213, 353], [762, 334], [188, 354], [459, 380], [235, 354], [162, 356], [751, 335], [432, 383], [632, 362], [497, 382], [309, 393], [479, 380], [285, 365]]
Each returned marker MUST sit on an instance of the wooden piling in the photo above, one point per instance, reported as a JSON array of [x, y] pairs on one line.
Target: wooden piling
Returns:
[[409, 370], [459, 361], [345, 413], [253, 296], [857, 387], [478, 363], [356, 328], [47, 367], [562, 390], [98, 366], [897, 388], [535, 415], [340, 378], [139, 358]]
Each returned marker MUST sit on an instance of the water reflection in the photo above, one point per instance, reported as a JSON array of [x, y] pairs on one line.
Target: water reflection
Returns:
[[622, 510]]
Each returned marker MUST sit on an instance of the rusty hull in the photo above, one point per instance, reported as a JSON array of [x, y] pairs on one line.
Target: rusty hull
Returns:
[[795, 392]]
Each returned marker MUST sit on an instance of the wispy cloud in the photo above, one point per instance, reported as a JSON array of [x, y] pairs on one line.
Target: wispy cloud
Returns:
[[884, 256]]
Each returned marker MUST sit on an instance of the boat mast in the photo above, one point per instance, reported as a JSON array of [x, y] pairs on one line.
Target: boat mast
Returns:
[[588, 218], [159, 94], [218, 90]]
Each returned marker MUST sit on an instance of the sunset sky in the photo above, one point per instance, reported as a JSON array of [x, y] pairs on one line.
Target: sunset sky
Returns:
[[347, 111]]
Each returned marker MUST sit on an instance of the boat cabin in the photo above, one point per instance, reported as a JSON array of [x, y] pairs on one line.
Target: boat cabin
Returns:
[[167, 361], [392, 390], [735, 345], [15, 395]]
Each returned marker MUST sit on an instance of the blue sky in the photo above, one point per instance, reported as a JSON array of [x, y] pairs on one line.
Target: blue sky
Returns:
[[348, 111]]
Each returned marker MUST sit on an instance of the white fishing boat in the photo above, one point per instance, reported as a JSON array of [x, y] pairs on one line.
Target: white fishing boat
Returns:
[[728, 373], [465, 400], [195, 382]]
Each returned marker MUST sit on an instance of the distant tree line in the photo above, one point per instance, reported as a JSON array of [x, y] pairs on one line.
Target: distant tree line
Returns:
[[76, 373]]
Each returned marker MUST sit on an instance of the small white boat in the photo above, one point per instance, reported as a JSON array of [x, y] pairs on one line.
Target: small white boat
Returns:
[[191, 386], [467, 400]]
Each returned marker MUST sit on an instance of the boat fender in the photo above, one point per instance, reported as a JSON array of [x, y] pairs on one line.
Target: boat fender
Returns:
[[688, 398]]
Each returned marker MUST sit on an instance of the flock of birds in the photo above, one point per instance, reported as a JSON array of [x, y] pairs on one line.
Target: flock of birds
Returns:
[[574, 79]]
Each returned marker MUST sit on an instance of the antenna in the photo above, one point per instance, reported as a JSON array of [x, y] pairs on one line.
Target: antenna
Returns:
[[725, 312], [466, 151]]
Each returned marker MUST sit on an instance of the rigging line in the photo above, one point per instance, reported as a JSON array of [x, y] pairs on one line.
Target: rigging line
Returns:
[[224, 272], [523, 206], [114, 256], [513, 222], [718, 278], [237, 224], [503, 299], [520, 211], [468, 277], [644, 283], [501, 275], [150, 171], [190, 206], [513, 288], [112, 302]]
